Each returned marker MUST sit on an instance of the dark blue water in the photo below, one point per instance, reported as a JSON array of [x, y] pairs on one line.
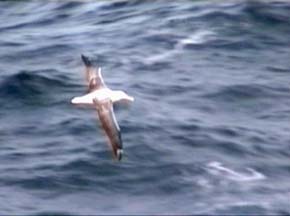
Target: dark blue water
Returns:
[[209, 130]]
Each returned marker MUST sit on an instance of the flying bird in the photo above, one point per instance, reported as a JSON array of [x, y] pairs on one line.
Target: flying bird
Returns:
[[102, 98]]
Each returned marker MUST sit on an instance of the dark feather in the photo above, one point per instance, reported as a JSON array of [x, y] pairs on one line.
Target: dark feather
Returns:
[[110, 126]]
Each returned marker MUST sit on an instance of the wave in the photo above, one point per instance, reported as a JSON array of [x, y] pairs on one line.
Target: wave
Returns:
[[165, 54], [270, 13], [53, 213], [245, 91], [278, 69], [199, 37], [217, 168], [33, 85], [175, 44], [255, 12]]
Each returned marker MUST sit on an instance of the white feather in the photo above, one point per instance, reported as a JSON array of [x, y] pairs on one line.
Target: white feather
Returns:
[[101, 94]]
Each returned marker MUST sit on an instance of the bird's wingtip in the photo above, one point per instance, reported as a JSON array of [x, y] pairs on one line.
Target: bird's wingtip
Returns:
[[119, 154], [73, 101], [86, 60]]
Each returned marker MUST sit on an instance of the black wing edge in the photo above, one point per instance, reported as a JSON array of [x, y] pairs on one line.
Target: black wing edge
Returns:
[[110, 126], [87, 61]]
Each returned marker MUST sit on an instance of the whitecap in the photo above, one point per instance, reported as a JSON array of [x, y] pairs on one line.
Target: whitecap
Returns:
[[199, 37], [217, 168], [160, 57]]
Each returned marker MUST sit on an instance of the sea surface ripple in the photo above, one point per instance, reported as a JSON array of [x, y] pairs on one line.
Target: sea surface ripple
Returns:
[[209, 132]]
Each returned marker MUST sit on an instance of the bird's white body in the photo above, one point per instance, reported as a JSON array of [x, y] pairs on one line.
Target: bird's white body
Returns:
[[100, 95]]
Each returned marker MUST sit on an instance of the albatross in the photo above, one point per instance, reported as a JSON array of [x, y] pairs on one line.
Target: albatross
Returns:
[[102, 99]]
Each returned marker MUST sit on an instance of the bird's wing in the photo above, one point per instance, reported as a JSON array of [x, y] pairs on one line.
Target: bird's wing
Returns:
[[93, 75], [110, 125]]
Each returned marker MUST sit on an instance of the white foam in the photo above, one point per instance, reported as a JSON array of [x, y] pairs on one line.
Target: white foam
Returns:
[[160, 57], [198, 37], [217, 168]]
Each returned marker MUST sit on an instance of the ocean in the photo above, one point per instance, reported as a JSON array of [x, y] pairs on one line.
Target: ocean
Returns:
[[208, 132]]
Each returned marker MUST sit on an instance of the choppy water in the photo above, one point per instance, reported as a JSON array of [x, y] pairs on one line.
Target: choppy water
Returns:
[[209, 131]]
